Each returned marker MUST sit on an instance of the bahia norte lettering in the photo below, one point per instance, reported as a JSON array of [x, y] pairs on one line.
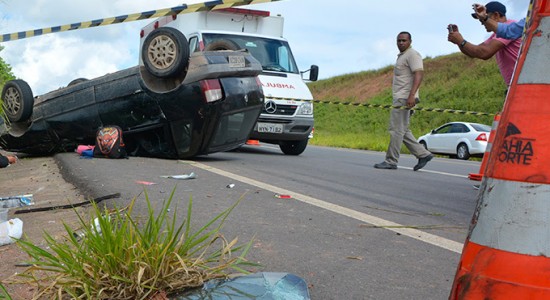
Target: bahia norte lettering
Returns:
[[516, 151]]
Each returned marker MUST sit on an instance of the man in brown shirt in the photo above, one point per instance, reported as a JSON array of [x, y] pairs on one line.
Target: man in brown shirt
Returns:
[[407, 76]]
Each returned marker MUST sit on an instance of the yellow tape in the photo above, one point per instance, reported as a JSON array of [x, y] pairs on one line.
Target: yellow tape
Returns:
[[205, 6], [441, 110]]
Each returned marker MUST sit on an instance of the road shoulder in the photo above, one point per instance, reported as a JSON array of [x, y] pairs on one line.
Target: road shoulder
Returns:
[[41, 177]]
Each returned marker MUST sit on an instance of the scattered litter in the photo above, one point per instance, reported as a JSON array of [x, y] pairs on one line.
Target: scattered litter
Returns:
[[3, 214], [10, 230], [355, 257], [16, 201], [85, 151], [283, 196], [81, 148], [145, 182], [230, 186], [191, 175], [96, 200], [95, 228]]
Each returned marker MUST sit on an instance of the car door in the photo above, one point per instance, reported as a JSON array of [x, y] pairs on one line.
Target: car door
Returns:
[[453, 138], [436, 142]]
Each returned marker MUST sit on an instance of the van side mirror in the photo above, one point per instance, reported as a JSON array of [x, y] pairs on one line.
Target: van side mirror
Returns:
[[313, 73]]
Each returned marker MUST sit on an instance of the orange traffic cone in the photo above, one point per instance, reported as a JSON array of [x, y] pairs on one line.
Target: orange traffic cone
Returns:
[[253, 142], [492, 134], [507, 252]]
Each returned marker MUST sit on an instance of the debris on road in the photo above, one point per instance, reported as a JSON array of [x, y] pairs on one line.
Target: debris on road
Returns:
[[145, 182], [10, 230], [191, 175]]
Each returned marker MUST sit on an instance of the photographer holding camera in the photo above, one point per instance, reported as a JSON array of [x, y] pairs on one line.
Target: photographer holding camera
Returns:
[[505, 51], [509, 31]]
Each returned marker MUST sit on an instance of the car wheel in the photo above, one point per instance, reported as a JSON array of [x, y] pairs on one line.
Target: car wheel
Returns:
[[77, 81], [423, 143], [293, 147], [17, 100], [165, 52], [462, 152], [222, 45]]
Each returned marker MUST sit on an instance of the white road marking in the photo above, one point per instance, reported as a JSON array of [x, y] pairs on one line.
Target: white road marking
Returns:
[[395, 227], [436, 172]]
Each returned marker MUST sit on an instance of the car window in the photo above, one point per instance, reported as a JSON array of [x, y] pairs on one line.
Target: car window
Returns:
[[459, 128], [444, 129], [481, 127], [193, 44]]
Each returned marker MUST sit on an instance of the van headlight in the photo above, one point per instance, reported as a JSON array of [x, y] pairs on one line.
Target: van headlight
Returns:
[[306, 108]]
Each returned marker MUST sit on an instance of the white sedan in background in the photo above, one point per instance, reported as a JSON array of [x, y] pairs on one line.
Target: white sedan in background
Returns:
[[457, 139]]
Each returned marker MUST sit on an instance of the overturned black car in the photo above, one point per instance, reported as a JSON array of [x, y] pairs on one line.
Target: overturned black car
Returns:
[[173, 105]]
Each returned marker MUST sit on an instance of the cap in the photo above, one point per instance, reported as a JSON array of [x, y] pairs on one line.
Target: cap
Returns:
[[492, 7]]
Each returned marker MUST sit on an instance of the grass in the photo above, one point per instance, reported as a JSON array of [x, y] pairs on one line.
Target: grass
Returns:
[[450, 82], [119, 258]]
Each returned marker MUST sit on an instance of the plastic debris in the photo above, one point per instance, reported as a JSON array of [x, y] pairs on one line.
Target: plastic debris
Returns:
[[3, 214], [16, 201], [230, 186], [283, 196], [145, 182], [191, 175], [264, 285], [10, 230]]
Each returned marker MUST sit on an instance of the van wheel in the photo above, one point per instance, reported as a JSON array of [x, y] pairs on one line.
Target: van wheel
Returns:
[[17, 100], [165, 52], [222, 45], [293, 147]]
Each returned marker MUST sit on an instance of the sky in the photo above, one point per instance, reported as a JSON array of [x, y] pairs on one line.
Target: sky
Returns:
[[341, 37]]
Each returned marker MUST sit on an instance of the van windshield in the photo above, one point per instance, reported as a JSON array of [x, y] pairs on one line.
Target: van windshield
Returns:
[[274, 55]]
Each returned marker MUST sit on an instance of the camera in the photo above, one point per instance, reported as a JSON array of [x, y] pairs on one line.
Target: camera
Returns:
[[452, 28]]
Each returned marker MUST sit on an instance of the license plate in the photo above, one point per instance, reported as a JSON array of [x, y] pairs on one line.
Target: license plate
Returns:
[[236, 61], [270, 128]]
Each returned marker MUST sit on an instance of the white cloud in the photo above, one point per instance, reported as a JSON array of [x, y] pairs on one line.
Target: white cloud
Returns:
[[340, 36]]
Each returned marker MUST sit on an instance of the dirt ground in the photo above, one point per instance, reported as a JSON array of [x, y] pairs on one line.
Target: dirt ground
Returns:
[[40, 177]]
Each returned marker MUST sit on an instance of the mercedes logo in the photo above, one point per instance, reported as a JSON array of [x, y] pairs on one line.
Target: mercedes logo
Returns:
[[270, 107]]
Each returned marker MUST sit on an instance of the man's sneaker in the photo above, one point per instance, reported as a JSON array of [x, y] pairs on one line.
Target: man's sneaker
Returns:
[[385, 165], [422, 162]]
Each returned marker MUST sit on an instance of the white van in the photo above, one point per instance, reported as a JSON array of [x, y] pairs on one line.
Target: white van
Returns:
[[287, 117]]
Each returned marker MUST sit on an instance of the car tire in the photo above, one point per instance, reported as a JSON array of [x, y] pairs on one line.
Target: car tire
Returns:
[[293, 147], [423, 143], [220, 45], [165, 52], [462, 151], [77, 81], [17, 100]]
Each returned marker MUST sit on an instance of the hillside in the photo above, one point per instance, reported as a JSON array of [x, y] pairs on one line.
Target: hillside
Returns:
[[453, 81]]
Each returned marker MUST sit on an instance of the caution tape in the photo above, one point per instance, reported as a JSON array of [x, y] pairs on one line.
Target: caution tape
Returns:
[[441, 110], [182, 9]]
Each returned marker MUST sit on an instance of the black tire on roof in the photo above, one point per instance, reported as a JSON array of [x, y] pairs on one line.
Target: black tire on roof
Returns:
[[17, 100], [165, 52], [77, 81]]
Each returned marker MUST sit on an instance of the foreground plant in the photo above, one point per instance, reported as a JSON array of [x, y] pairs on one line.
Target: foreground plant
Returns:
[[118, 258]]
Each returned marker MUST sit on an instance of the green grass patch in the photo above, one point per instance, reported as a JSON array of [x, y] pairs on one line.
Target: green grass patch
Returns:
[[119, 257]]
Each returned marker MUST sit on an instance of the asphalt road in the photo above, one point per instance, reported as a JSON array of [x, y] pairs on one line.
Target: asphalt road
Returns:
[[351, 231]]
